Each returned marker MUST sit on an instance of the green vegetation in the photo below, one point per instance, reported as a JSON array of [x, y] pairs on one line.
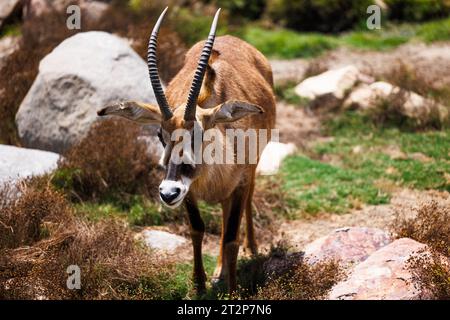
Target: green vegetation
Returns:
[[316, 187], [288, 44], [367, 161], [181, 286]]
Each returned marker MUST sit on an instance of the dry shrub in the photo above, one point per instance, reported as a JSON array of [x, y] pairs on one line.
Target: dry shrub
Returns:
[[26, 208], [111, 264], [431, 275], [430, 270], [281, 275], [390, 111], [430, 226], [409, 78], [110, 159], [304, 282]]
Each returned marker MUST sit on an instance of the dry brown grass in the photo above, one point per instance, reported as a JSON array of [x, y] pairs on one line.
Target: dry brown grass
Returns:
[[430, 271], [430, 226], [41, 237], [281, 275], [110, 159], [303, 282], [431, 275]]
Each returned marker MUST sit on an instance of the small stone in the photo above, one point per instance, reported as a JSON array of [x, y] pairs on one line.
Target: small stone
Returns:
[[162, 240]]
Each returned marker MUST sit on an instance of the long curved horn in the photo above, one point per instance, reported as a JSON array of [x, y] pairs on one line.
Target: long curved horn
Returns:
[[189, 113], [153, 69]]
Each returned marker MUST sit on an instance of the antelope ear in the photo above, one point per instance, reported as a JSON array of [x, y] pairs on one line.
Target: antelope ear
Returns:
[[231, 111], [134, 111]]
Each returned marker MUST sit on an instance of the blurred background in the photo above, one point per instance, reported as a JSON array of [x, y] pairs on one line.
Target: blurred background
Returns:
[[364, 121]]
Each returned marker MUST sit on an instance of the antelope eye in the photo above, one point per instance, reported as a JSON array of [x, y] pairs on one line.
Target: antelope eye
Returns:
[[187, 170]]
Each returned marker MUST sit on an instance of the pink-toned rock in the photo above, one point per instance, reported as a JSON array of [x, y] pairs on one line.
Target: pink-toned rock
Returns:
[[348, 245], [382, 276]]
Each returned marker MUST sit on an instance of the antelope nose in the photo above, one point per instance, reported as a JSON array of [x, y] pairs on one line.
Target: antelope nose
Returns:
[[169, 195]]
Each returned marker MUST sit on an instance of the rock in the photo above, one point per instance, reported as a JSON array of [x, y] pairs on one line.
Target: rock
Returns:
[[285, 71], [382, 276], [272, 156], [8, 45], [7, 9], [18, 163], [162, 240], [84, 73], [348, 245], [366, 96], [410, 104], [329, 88]]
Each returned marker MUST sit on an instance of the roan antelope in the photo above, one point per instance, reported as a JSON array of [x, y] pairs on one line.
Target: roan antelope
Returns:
[[231, 89]]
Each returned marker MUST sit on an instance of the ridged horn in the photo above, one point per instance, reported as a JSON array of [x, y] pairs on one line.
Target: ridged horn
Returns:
[[153, 69], [189, 113]]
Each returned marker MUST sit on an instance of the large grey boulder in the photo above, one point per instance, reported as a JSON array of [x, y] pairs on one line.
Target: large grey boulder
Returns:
[[84, 73], [18, 163]]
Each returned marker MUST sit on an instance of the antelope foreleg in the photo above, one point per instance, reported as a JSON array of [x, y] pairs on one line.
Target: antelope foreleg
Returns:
[[197, 232]]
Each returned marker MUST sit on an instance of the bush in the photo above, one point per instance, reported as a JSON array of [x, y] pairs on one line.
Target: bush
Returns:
[[304, 282], [431, 275], [430, 226], [40, 237], [323, 16], [252, 9], [23, 218], [110, 160], [417, 10]]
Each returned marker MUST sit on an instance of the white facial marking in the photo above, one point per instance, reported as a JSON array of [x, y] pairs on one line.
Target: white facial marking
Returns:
[[167, 186]]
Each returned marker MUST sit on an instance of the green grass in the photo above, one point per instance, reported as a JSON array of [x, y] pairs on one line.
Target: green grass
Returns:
[[136, 209], [315, 187], [288, 44], [181, 286], [435, 31], [352, 129], [363, 171]]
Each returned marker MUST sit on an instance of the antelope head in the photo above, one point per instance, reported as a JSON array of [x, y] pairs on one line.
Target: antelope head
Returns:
[[188, 118]]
